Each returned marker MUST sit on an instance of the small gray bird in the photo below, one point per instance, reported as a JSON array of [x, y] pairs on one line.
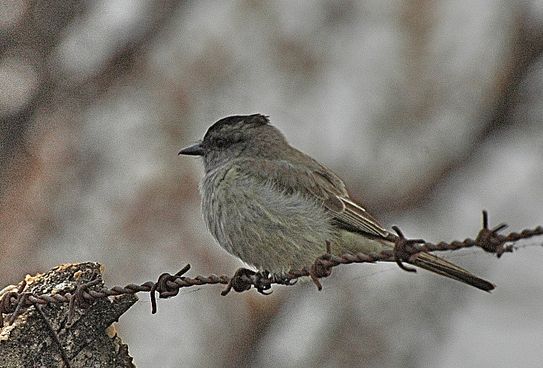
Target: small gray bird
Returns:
[[276, 208]]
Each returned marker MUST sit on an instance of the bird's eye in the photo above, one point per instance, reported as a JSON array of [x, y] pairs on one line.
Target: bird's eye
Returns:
[[221, 142]]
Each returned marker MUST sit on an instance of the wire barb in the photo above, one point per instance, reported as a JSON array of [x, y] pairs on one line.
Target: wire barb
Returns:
[[403, 249], [166, 286], [489, 239], [20, 298], [78, 299]]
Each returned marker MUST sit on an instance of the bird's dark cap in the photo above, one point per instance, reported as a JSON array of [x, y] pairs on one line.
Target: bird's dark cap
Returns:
[[255, 119]]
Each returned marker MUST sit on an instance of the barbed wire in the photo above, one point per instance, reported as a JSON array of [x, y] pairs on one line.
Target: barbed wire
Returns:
[[13, 301]]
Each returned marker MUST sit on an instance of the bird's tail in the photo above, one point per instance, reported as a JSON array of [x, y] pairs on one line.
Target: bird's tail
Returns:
[[445, 268]]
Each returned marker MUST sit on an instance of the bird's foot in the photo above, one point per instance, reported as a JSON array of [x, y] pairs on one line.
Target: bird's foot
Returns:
[[244, 279], [241, 281], [263, 281]]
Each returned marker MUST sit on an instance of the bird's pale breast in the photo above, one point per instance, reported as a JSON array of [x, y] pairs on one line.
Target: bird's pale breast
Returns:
[[253, 220]]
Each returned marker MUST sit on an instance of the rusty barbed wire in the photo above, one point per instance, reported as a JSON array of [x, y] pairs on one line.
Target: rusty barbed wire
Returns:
[[15, 300]]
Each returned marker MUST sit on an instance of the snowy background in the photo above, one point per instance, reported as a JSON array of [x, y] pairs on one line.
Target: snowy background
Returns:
[[430, 111]]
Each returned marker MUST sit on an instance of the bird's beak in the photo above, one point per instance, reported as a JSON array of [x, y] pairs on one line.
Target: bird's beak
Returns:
[[194, 150]]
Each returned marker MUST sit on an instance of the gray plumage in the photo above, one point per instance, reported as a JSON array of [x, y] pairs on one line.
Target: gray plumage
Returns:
[[276, 208]]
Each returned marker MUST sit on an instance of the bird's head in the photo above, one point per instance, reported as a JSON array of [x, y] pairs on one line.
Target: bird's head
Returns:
[[238, 136]]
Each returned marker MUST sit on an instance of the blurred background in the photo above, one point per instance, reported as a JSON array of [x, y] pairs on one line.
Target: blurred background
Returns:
[[430, 111]]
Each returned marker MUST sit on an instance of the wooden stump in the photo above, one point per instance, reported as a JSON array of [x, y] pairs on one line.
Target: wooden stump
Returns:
[[89, 340]]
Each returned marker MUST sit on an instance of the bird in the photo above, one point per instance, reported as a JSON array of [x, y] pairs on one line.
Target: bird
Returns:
[[278, 209]]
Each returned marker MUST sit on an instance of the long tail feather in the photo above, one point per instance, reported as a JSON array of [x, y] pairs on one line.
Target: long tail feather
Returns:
[[445, 268]]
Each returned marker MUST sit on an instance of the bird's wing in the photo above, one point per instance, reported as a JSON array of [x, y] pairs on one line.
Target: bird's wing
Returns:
[[318, 182]]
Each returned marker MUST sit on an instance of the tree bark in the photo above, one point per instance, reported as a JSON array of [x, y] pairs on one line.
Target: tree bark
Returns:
[[90, 340]]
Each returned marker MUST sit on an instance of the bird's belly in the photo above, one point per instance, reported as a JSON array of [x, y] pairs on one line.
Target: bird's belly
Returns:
[[272, 232]]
